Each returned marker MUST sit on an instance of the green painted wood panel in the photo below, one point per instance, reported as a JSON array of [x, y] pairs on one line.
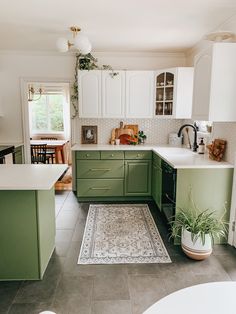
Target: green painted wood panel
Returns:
[[211, 188], [157, 185], [100, 187], [18, 235], [156, 160], [46, 227], [112, 155], [88, 155], [138, 177], [136, 155], [100, 169], [154, 182]]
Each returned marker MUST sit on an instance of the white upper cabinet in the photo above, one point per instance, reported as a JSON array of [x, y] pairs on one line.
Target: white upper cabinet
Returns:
[[89, 87], [173, 93], [117, 94], [113, 94], [214, 92], [139, 94]]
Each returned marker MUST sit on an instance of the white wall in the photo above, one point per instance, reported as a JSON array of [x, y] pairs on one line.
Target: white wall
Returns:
[[14, 66], [225, 131]]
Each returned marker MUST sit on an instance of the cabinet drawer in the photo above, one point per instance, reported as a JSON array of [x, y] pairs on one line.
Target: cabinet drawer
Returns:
[[112, 155], [100, 169], [100, 187], [138, 155], [88, 155], [156, 160]]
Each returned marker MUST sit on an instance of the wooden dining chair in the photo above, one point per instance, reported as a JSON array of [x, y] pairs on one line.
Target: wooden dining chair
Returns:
[[50, 151], [39, 154]]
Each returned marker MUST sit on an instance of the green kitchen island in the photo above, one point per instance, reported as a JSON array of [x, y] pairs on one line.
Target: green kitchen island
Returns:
[[27, 219]]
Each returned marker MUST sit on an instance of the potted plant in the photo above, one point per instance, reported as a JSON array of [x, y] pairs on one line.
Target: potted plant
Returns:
[[197, 231]]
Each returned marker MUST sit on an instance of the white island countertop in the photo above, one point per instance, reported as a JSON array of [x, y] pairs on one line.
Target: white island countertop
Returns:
[[177, 157], [30, 177]]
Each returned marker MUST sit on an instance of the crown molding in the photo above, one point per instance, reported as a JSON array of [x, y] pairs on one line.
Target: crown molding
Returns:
[[121, 54]]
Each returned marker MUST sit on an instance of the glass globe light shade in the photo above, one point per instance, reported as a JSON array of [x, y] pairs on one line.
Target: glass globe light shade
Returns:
[[62, 44], [86, 49], [80, 41]]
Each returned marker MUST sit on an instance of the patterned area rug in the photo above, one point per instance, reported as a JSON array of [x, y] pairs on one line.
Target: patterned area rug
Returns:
[[121, 234]]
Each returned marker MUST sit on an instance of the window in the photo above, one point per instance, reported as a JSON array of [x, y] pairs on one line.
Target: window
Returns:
[[49, 114]]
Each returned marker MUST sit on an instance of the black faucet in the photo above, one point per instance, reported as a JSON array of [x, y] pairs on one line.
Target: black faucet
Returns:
[[195, 146]]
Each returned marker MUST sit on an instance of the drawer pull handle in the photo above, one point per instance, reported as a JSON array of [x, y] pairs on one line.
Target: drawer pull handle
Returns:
[[112, 155], [87, 155], [100, 169], [139, 155], [105, 188]]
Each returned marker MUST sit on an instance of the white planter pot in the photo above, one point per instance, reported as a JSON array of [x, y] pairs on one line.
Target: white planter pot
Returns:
[[196, 250]]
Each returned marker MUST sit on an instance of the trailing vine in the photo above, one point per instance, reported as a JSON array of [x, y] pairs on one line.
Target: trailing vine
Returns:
[[85, 62]]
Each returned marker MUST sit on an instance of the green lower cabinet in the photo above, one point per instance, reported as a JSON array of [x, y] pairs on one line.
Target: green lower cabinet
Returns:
[[99, 169], [100, 187], [27, 233], [157, 185], [138, 177]]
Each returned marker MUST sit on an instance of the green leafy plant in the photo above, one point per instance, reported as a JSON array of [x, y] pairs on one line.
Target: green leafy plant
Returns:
[[141, 137], [85, 62], [199, 223]]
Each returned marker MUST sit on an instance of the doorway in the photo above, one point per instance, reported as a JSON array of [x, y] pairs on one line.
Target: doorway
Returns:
[[47, 122]]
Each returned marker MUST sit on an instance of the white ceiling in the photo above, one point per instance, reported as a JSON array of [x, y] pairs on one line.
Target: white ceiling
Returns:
[[111, 25]]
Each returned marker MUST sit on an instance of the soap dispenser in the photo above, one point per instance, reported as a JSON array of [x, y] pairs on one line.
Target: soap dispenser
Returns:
[[201, 147]]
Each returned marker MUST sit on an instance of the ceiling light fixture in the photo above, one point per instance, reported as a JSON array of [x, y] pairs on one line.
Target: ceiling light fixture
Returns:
[[220, 36], [32, 92], [80, 42]]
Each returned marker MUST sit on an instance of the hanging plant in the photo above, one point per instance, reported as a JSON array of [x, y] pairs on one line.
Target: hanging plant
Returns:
[[85, 62]]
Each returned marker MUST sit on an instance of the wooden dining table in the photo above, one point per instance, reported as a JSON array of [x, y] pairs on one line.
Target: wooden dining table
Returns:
[[57, 145]]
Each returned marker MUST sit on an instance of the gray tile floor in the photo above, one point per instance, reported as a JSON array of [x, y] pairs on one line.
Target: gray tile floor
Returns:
[[68, 288]]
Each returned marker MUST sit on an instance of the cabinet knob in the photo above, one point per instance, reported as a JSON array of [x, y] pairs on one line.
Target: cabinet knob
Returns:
[[138, 155], [87, 155], [112, 155]]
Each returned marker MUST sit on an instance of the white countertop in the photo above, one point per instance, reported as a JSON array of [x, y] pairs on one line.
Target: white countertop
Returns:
[[177, 157], [29, 177]]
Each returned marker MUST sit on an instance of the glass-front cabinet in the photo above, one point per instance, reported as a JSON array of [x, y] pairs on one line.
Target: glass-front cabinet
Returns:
[[164, 94], [173, 98]]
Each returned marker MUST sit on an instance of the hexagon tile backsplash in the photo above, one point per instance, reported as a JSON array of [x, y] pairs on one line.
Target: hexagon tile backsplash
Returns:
[[157, 130]]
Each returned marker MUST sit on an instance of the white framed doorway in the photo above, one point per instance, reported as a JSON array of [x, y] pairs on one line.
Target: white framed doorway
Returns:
[[25, 108]]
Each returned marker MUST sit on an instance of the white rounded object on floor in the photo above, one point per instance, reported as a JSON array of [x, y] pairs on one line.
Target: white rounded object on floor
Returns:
[[213, 297]]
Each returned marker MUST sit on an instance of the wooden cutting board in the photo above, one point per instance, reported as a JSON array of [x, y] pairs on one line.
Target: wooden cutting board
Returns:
[[133, 127], [121, 131]]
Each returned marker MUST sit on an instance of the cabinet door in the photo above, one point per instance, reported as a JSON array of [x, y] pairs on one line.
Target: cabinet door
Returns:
[[113, 94], [89, 87], [139, 94], [157, 185], [202, 86], [154, 182], [164, 96], [138, 178]]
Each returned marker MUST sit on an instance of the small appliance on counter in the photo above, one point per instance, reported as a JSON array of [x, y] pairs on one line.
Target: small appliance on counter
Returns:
[[174, 140]]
